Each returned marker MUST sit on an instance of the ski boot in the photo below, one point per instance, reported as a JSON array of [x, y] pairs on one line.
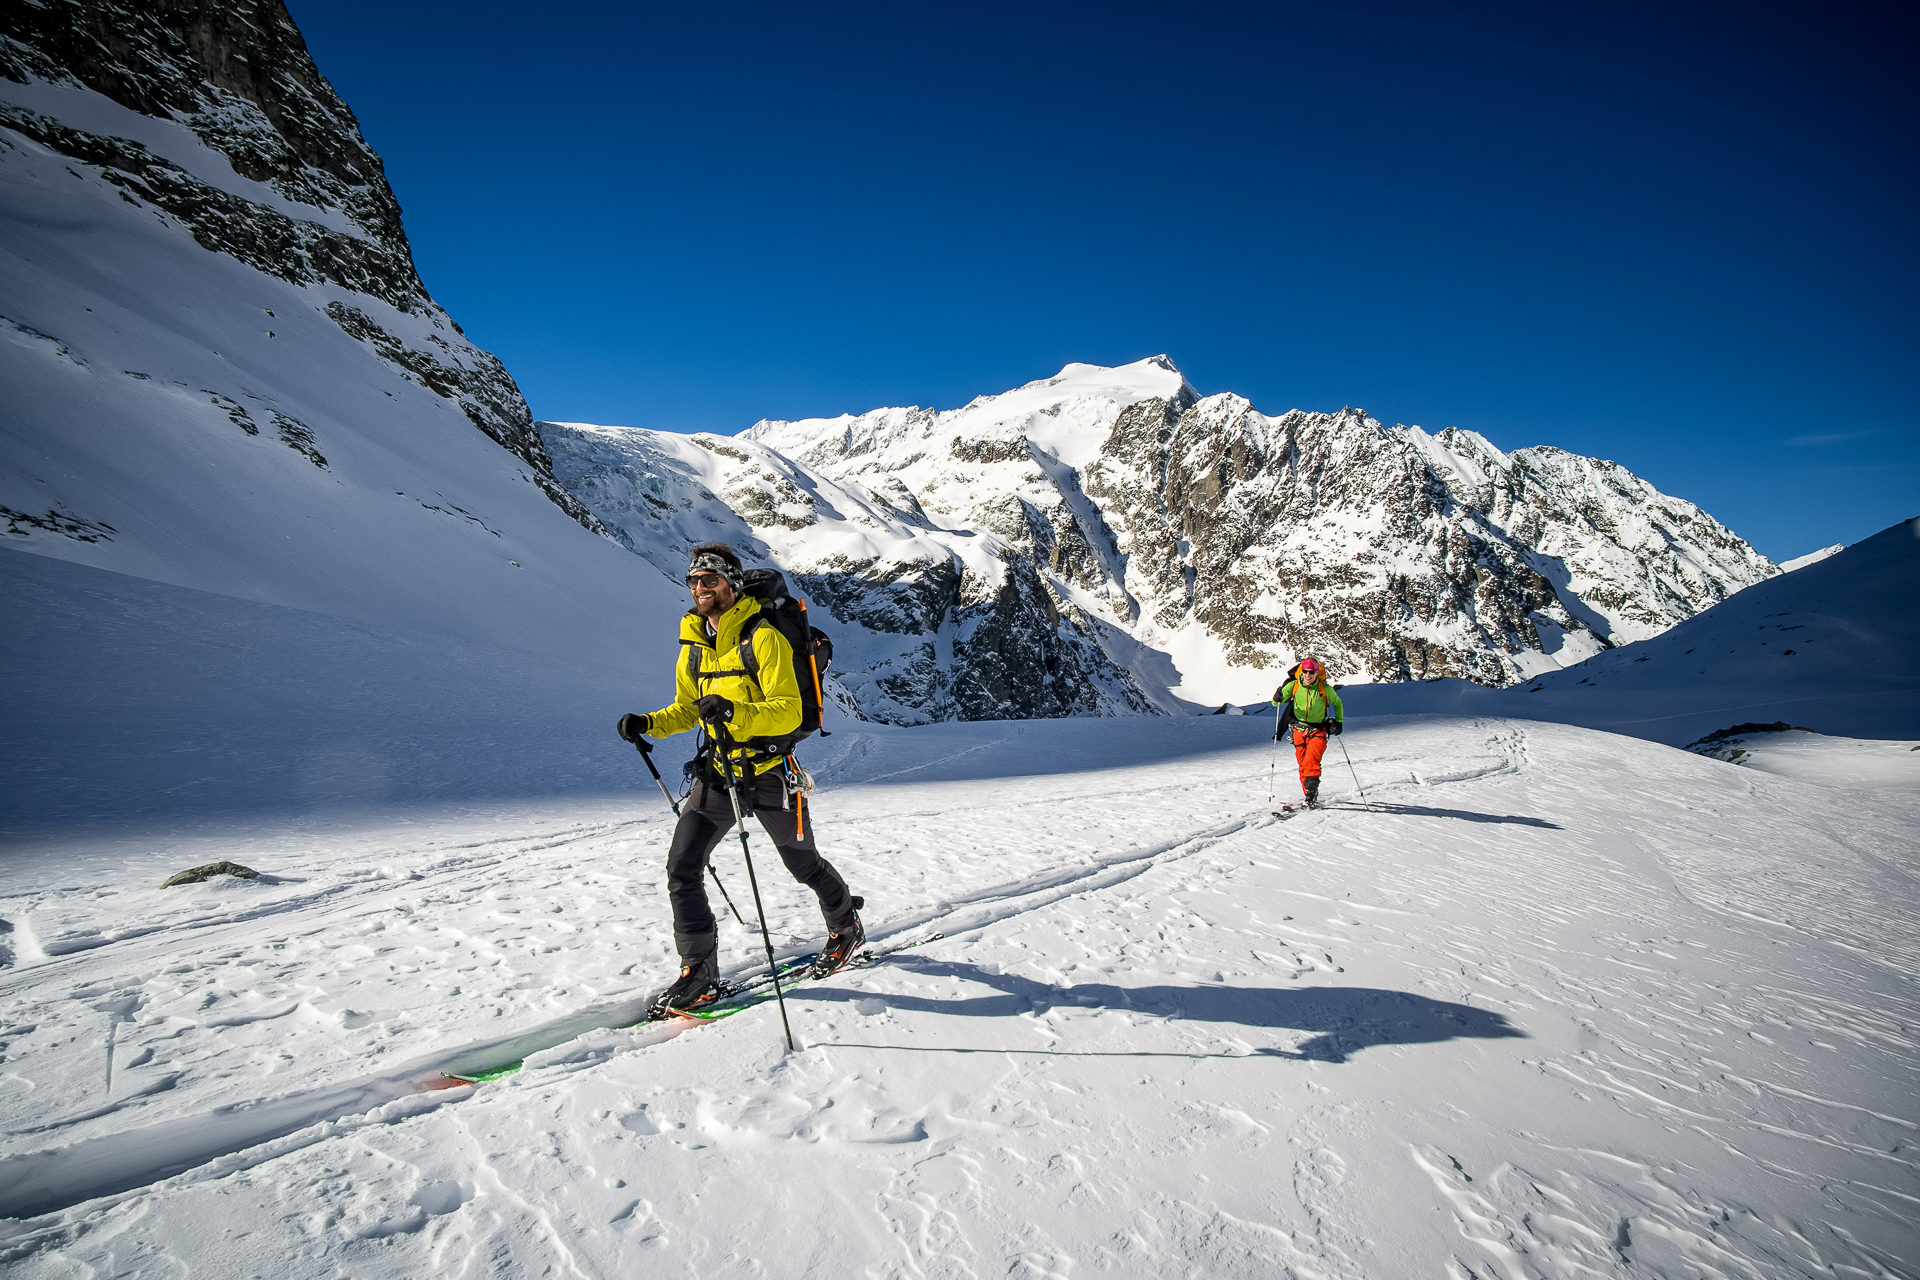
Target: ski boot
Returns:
[[698, 984], [1312, 788], [842, 944]]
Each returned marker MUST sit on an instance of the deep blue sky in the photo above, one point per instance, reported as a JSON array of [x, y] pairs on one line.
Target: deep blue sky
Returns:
[[1684, 241]]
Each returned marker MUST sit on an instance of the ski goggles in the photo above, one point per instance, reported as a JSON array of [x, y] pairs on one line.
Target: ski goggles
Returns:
[[705, 580]]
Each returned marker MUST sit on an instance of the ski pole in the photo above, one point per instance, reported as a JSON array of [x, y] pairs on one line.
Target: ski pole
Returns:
[[739, 816], [646, 753], [1349, 759], [1273, 764]]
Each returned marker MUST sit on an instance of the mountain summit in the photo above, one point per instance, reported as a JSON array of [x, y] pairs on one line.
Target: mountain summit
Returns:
[[1108, 540]]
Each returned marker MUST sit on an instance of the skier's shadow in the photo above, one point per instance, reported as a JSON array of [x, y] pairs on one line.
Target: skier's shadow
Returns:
[[1344, 1020], [1424, 811]]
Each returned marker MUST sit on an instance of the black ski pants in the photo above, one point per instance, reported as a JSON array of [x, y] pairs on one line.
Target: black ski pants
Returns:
[[705, 818]]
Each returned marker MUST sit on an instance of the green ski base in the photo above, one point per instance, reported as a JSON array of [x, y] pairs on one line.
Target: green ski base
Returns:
[[747, 995]]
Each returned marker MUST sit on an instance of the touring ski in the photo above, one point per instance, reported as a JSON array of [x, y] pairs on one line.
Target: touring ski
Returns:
[[752, 992], [736, 996]]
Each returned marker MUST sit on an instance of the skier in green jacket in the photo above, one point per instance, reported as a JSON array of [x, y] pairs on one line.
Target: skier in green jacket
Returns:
[[1311, 707]]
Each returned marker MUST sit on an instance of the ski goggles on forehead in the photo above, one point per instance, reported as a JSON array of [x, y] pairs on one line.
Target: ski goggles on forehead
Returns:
[[708, 580]]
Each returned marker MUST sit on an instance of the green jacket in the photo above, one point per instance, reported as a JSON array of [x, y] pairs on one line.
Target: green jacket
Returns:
[[768, 708], [1311, 702]]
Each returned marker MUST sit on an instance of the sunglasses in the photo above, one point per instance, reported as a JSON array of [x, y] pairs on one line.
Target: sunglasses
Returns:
[[708, 580]]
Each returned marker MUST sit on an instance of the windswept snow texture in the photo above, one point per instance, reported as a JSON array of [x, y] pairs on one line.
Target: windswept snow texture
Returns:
[[1109, 541], [1513, 1013], [1856, 764], [1831, 647]]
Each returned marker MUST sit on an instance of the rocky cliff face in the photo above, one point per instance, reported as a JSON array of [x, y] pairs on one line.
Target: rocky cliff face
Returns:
[[929, 622], [1394, 554], [295, 191], [1108, 541]]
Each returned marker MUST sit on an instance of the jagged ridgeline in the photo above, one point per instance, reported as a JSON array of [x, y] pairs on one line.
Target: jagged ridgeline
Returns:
[[1107, 541], [300, 196]]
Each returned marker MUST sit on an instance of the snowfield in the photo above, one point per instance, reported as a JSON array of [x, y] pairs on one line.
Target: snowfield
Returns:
[[1545, 1001]]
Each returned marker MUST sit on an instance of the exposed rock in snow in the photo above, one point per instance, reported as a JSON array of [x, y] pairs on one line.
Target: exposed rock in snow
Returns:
[[1107, 541]]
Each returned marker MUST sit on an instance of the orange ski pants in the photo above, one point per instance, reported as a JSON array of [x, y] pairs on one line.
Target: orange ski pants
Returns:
[[1308, 746]]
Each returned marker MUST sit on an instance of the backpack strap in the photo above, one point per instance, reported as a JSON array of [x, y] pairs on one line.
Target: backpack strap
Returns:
[[748, 659], [695, 674]]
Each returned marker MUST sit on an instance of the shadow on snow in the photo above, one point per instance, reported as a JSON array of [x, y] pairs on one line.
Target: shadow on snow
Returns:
[[1426, 811], [1343, 1020]]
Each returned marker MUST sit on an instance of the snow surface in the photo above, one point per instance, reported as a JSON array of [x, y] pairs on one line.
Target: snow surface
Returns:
[[1510, 1012], [135, 702], [1845, 763]]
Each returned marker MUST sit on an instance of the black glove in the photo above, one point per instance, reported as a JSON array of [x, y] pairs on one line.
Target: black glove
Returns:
[[1333, 727], [631, 727], [715, 709]]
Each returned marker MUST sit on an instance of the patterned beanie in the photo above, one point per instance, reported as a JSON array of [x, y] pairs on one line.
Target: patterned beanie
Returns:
[[707, 562]]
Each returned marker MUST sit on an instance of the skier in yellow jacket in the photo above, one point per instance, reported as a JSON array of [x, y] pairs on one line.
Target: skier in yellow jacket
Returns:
[[1312, 708], [712, 687]]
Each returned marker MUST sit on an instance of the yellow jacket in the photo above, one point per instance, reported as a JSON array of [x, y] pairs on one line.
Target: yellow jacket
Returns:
[[711, 664]]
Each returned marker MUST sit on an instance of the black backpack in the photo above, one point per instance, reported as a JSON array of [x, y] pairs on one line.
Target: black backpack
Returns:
[[812, 655]]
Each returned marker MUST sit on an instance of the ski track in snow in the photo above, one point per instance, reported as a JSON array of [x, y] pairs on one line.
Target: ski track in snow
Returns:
[[1543, 1002]]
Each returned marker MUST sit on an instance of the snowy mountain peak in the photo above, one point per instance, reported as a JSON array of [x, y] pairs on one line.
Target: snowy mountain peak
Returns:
[[1108, 540]]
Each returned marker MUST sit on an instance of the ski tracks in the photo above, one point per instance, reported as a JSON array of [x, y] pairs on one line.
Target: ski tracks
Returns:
[[1146, 1006], [354, 917]]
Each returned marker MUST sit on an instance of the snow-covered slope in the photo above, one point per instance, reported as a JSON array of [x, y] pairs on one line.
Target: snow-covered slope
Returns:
[[1834, 647], [223, 373], [1106, 540], [1516, 1014], [135, 704]]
